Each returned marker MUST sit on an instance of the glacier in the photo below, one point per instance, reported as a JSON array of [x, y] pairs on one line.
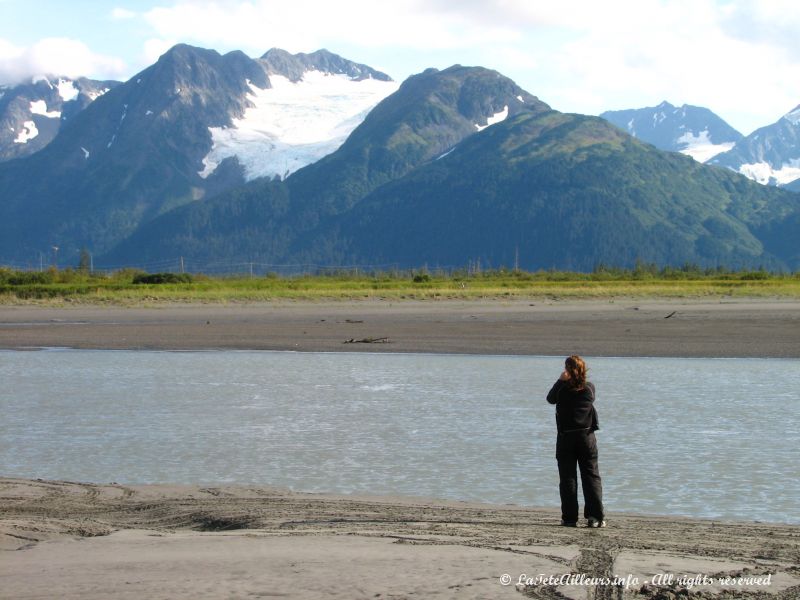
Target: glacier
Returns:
[[291, 125]]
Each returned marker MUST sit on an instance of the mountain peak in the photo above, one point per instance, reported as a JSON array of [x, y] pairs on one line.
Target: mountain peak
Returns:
[[186, 51], [793, 116], [691, 130], [293, 66], [33, 112]]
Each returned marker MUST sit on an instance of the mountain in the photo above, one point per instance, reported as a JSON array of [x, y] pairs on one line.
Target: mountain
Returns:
[[191, 125], [770, 155], [288, 159], [462, 165], [691, 130], [563, 191], [31, 114], [295, 66], [310, 106], [429, 115]]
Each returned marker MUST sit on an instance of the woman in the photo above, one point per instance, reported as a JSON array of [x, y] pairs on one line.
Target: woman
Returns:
[[576, 420]]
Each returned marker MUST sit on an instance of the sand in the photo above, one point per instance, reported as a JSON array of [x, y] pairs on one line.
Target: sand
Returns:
[[592, 328], [72, 540], [83, 540]]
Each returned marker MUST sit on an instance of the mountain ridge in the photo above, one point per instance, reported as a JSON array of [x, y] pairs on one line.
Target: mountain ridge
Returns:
[[33, 112], [769, 155], [496, 193], [692, 130], [134, 153], [225, 158]]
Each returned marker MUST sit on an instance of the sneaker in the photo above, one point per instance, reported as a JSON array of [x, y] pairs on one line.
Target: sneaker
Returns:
[[595, 523], [568, 523]]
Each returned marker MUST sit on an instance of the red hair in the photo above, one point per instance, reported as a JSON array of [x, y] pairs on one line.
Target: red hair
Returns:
[[576, 369]]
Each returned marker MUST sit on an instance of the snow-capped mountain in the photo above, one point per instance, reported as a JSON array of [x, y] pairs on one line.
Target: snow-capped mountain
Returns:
[[455, 164], [462, 164], [311, 104], [770, 155], [32, 113], [691, 130], [187, 127]]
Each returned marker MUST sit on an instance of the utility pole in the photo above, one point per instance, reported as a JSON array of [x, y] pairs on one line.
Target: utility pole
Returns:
[[251, 270], [55, 257], [181, 264], [516, 258]]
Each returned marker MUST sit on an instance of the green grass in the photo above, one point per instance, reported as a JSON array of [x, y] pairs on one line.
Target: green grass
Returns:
[[57, 287]]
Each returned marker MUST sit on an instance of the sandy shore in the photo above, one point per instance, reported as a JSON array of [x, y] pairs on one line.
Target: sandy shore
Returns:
[[72, 540], [594, 328], [78, 540]]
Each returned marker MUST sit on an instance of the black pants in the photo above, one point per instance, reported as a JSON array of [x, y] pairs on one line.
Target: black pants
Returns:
[[579, 447]]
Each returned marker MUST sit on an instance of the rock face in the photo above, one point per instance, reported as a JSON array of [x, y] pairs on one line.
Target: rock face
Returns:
[[691, 130], [294, 66], [32, 114]]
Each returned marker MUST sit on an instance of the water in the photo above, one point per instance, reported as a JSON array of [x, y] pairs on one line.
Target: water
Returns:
[[697, 437]]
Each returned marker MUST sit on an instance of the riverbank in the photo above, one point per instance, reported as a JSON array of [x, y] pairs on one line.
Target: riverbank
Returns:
[[687, 328], [76, 540]]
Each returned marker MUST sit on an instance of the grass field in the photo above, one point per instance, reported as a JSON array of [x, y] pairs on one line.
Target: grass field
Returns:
[[56, 287]]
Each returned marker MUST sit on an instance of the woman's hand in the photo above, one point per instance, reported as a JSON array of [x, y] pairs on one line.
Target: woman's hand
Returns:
[[564, 376]]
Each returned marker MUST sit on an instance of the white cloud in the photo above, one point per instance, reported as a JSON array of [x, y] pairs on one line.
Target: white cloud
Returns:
[[678, 51], [303, 25], [55, 56], [122, 14], [738, 57]]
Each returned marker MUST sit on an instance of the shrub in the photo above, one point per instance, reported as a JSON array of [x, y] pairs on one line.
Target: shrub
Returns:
[[29, 277], [157, 278]]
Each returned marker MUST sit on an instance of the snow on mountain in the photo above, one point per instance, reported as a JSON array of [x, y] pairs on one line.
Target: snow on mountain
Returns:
[[495, 118], [28, 132], [700, 147], [67, 90], [94, 95], [793, 116], [770, 155], [291, 125], [691, 130], [764, 173], [31, 113], [39, 107]]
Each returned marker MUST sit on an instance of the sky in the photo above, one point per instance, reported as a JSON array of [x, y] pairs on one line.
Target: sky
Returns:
[[740, 58]]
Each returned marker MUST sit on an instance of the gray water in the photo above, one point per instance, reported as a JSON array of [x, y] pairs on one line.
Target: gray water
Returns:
[[699, 437]]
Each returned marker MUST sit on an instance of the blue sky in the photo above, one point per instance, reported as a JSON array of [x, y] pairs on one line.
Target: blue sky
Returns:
[[740, 58]]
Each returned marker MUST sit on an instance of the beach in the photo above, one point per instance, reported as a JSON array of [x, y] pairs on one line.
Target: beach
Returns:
[[106, 539], [688, 328], [76, 540]]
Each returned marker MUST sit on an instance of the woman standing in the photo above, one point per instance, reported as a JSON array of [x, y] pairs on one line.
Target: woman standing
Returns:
[[576, 420]]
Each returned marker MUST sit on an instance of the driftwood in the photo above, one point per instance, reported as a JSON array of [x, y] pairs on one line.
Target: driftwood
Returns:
[[380, 340], [671, 314]]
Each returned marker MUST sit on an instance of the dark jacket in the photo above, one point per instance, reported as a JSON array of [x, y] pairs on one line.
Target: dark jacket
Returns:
[[574, 408]]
